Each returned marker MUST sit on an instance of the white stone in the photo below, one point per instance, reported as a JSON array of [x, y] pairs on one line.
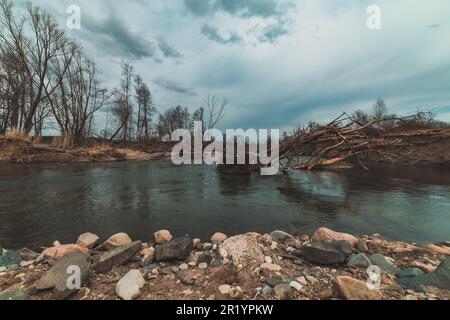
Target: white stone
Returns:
[[224, 289], [268, 259], [297, 286], [129, 287], [183, 266], [203, 265], [274, 245]]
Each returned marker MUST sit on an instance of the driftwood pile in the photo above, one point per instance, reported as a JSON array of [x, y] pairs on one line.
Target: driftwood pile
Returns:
[[347, 139]]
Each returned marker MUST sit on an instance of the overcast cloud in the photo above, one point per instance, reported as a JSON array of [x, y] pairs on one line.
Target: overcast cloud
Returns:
[[277, 62]]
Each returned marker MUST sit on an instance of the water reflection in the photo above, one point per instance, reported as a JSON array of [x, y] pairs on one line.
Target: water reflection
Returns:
[[42, 203]]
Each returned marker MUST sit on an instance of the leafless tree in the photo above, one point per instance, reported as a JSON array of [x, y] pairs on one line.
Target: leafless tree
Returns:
[[215, 111]]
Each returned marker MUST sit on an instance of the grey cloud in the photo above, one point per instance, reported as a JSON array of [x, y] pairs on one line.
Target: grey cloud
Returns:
[[241, 8], [114, 37], [271, 33], [170, 85], [167, 50], [212, 34]]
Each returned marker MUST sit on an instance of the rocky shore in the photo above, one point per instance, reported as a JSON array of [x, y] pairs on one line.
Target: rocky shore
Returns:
[[277, 266]]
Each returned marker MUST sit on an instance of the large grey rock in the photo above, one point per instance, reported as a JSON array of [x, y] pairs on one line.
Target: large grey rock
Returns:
[[326, 252], [10, 258], [439, 278], [360, 260], [57, 277], [116, 257], [177, 249], [380, 261], [410, 273]]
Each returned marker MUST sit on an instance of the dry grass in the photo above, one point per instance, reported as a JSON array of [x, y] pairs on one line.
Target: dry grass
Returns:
[[62, 142], [19, 135]]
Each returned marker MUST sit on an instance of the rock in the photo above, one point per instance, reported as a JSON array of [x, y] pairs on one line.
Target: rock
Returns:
[[236, 293], [56, 243], [325, 294], [215, 263], [280, 236], [324, 234], [203, 266], [223, 274], [207, 246], [439, 278], [408, 273], [116, 257], [270, 267], [162, 236], [437, 248], [274, 281], [266, 240], [244, 249], [283, 291], [267, 290], [129, 287], [297, 286], [57, 253], [353, 289], [302, 281], [28, 255], [117, 240], [380, 261], [225, 289], [58, 276], [14, 294], [10, 258], [218, 238], [177, 249], [360, 260], [147, 255], [312, 280], [361, 246], [268, 260], [426, 267], [183, 266], [223, 252], [204, 258], [88, 240], [326, 252]]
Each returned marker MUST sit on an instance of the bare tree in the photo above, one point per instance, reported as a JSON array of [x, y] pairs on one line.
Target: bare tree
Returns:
[[123, 108], [215, 111]]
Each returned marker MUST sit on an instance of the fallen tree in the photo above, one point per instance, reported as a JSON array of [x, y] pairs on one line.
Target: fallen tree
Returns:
[[348, 139]]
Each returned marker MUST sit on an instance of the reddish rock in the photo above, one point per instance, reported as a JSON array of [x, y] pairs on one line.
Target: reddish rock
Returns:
[[439, 249], [324, 234], [353, 289], [57, 253]]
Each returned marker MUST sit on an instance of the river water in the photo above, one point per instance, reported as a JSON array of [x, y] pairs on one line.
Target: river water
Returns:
[[43, 203]]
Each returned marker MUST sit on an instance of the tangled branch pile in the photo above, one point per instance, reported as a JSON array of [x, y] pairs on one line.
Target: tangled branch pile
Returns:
[[348, 139]]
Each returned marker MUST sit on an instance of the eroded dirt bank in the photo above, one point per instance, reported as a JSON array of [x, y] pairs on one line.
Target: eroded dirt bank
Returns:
[[328, 265]]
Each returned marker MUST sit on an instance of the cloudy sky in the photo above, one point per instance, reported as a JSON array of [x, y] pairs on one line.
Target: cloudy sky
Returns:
[[277, 62]]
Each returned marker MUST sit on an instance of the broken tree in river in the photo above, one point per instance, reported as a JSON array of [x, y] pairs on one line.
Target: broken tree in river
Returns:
[[351, 140]]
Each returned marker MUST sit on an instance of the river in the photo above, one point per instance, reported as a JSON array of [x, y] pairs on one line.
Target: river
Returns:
[[43, 203]]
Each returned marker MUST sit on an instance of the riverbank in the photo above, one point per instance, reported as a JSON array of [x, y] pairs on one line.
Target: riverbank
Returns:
[[25, 151], [327, 265]]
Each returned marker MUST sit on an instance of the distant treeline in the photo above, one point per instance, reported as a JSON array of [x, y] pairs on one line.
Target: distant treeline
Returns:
[[46, 80]]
